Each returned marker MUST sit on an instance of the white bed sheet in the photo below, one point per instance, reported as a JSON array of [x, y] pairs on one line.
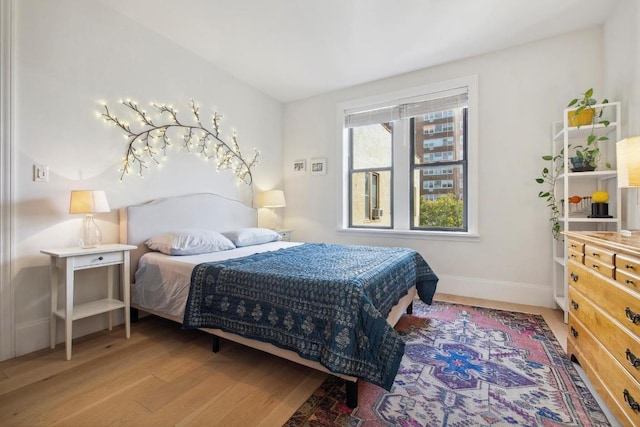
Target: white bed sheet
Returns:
[[162, 281]]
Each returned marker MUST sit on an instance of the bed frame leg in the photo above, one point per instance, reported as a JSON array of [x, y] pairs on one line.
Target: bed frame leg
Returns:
[[352, 393], [215, 347], [410, 309], [133, 312]]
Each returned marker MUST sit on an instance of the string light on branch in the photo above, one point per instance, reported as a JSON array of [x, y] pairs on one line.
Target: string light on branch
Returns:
[[150, 140]]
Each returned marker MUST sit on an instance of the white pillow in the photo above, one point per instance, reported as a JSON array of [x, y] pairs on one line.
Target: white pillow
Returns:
[[252, 236], [190, 242]]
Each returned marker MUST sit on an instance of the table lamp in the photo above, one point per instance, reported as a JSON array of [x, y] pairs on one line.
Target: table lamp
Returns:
[[628, 160], [89, 202], [272, 199]]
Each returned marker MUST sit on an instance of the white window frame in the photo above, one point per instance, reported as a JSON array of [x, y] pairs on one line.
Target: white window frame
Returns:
[[7, 169], [401, 151]]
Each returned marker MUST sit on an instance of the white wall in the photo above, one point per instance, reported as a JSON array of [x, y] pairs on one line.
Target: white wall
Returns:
[[622, 78], [70, 55], [521, 91]]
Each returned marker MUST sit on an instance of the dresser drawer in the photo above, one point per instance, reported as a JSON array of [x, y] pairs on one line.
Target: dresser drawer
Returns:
[[575, 245], [624, 346], [603, 268], [621, 303], [602, 255], [628, 263], [96, 260], [629, 280], [576, 256], [613, 382]]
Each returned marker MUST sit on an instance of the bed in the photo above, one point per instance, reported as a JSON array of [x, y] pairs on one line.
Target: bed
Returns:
[[266, 295]]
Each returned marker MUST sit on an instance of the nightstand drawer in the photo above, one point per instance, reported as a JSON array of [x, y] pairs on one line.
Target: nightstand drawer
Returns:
[[96, 260], [285, 235]]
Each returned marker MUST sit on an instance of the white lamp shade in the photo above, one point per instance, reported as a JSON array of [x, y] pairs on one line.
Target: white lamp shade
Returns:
[[628, 160], [272, 199], [88, 201]]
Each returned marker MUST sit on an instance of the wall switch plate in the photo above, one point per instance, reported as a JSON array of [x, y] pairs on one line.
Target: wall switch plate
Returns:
[[40, 173]]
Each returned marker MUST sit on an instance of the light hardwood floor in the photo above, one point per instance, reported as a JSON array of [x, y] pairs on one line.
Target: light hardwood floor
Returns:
[[167, 376]]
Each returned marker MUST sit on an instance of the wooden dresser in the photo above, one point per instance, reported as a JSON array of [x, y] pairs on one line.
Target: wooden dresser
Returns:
[[604, 316]]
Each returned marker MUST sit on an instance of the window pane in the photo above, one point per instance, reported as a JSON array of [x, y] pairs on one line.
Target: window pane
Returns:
[[371, 199], [371, 146], [439, 190], [438, 137]]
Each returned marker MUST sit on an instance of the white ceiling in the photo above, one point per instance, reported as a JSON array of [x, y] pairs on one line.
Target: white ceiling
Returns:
[[294, 49]]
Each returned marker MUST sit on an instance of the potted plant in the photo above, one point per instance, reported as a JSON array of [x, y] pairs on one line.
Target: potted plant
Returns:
[[588, 155]]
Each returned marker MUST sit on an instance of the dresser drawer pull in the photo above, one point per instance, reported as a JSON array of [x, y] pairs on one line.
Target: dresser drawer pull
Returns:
[[574, 305], [100, 258], [633, 360], [628, 267], [595, 254], [629, 282], [574, 332], [631, 402], [596, 266], [633, 317], [574, 277]]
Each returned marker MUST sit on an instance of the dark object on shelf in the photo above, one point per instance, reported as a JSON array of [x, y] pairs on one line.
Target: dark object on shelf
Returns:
[[580, 164], [600, 210]]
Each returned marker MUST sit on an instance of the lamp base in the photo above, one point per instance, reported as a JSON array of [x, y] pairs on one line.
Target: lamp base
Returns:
[[90, 235]]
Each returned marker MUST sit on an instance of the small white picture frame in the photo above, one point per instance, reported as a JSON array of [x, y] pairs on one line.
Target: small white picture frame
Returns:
[[318, 166], [299, 166]]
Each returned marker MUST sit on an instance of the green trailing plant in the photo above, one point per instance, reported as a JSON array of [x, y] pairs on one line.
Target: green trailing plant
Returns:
[[549, 177], [151, 137]]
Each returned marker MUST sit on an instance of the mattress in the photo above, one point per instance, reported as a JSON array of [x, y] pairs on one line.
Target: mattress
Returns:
[[162, 281]]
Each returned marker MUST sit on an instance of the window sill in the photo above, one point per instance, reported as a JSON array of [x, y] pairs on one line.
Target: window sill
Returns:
[[412, 234]]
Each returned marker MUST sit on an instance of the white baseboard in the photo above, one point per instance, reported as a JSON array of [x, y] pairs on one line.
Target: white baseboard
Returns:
[[518, 293], [34, 335]]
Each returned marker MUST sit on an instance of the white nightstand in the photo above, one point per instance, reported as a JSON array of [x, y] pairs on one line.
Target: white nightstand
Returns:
[[70, 260], [285, 233]]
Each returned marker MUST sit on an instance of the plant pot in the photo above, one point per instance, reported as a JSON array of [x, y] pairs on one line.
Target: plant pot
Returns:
[[584, 117], [579, 164]]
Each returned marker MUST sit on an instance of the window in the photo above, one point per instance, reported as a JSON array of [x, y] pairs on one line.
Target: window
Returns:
[[411, 161], [371, 165]]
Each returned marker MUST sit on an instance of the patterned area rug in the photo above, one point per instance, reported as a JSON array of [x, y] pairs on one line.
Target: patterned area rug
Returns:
[[466, 366]]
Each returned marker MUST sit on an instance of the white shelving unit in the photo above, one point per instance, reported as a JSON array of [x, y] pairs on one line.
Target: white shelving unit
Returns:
[[583, 184]]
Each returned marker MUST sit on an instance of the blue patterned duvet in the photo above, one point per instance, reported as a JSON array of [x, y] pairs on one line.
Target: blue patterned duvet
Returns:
[[328, 303]]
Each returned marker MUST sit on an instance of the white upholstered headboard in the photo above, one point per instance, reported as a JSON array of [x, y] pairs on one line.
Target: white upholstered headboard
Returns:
[[201, 210]]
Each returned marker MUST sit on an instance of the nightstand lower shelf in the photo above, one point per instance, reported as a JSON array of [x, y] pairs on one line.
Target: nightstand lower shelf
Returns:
[[92, 308]]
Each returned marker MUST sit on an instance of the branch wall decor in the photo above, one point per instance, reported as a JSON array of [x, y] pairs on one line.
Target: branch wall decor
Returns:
[[151, 138]]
